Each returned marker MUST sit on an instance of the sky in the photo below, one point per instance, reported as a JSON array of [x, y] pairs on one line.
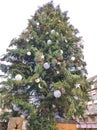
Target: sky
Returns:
[[14, 15]]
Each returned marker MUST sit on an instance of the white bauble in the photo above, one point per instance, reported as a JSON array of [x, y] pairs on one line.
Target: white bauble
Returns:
[[37, 80], [59, 63], [72, 58], [53, 31], [53, 106], [27, 40], [57, 93], [61, 51], [79, 68], [0, 109], [76, 97], [46, 65], [49, 42], [28, 53], [18, 77], [10, 110]]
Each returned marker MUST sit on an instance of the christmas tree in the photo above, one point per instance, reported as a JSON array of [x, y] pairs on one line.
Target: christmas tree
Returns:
[[46, 77]]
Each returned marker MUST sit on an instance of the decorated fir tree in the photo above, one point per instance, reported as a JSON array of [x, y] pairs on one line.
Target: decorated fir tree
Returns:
[[46, 77]]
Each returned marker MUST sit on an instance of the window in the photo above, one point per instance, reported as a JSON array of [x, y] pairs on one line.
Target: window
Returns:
[[94, 96], [86, 119], [86, 112], [92, 119], [91, 110], [90, 106], [80, 120], [96, 105]]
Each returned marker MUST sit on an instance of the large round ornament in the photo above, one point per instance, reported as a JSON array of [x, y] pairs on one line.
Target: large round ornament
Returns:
[[46, 65], [76, 97], [61, 51], [57, 94], [72, 58], [53, 31], [18, 77], [49, 42], [28, 53], [37, 80]]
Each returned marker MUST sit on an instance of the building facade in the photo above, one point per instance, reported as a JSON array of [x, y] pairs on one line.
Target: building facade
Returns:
[[90, 121]]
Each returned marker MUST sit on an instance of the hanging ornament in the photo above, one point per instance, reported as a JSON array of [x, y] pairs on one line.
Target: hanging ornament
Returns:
[[16, 108], [62, 89], [40, 61], [49, 42], [84, 64], [59, 59], [28, 53], [30, 37], [37, 80], [24, 62], [59, 63], [0, 109], [66, 41], [72, 58], [76, 97], [42, 57], [53, 31], [78, 61], [79, 68], [46, 33], [43, 109], [47, 26], [39, 86], [57, 94], [58, 21], [18, 77], [9, 110], [85, 76], [77, 85], [58, 72], [53, 106], [28, 87], [27, 40], [46, 65], [61, 51]]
